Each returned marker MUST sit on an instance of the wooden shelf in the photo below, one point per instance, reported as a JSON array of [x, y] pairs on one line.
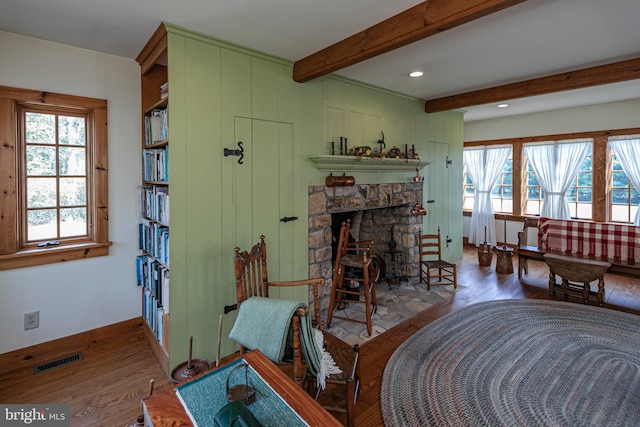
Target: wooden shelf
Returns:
[[325, 162]]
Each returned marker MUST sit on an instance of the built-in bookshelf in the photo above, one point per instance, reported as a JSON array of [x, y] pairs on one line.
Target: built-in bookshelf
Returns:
[[152, 265]]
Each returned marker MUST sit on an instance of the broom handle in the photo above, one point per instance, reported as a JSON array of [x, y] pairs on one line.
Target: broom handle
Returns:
[[505, 231]]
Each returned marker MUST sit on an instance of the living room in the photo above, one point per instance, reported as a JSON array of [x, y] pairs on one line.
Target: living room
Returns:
[[78, 296]]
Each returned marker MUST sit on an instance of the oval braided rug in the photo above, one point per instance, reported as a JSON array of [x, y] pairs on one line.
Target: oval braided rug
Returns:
[[517, 363]]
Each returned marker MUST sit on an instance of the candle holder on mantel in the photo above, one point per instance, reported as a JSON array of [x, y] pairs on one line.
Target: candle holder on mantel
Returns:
[[485, 254], [504, 259]]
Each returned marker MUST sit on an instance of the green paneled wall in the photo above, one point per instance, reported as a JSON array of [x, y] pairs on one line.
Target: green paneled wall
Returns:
[[214, 87]]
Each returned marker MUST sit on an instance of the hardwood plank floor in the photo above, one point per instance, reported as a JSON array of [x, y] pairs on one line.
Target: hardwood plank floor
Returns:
[[105, 388]]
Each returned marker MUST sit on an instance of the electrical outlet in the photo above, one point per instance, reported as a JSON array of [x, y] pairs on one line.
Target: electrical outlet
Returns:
[[31, 320]]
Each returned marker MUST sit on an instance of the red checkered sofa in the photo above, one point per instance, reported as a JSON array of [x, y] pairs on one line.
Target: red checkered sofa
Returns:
[[618, 244]]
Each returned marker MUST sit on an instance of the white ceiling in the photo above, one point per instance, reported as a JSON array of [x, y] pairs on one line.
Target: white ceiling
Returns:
[[532, 39]]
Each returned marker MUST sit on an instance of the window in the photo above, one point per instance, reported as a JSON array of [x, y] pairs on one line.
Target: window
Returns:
[[579, 193], [601, 190], [54, 177], [534, 192], [624, 197], [468, 191], [501, 193], [54, 172]]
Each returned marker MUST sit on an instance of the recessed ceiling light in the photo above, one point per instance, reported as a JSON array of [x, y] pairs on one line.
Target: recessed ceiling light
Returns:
[[416, 74], [503, 105]]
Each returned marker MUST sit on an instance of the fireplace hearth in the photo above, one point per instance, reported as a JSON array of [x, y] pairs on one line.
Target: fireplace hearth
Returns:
[[378, 212]]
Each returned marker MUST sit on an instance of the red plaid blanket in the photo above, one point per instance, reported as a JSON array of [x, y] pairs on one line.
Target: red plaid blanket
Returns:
[[618, 242]]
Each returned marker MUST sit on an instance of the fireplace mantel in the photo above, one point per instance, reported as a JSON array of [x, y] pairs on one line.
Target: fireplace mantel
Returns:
[[325, 162]]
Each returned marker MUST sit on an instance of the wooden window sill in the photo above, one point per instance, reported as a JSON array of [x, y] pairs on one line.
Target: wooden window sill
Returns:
[[50, 255]]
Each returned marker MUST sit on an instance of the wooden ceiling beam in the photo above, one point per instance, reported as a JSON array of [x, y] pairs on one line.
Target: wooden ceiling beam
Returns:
[[594, 76], [419, 22]]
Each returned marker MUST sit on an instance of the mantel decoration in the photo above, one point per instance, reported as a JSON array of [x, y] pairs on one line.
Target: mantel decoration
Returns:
[[380, 152], [342, 157], [339, 181]]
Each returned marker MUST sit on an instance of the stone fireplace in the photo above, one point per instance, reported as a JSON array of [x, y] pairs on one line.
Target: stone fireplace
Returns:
[[379, 212]]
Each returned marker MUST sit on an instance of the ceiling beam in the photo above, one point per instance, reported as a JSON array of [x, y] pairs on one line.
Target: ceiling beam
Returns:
[[419, 22], [594, 76]]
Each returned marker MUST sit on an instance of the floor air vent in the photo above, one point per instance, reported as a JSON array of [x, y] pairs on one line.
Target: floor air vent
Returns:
[[58, 362]]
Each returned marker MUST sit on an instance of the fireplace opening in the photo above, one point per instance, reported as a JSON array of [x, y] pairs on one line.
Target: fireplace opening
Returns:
[[379, 226], [378, 212]]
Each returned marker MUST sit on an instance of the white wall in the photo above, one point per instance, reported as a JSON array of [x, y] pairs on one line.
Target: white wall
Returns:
[[79, 295], [615, 115]]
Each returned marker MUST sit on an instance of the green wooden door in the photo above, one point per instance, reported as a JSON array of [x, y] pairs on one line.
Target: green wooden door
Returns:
[[263, 192], [438, 193]]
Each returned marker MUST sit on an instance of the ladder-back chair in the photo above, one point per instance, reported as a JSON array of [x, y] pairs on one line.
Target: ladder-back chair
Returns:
[[252, 279], [432, 266], [357, 256]]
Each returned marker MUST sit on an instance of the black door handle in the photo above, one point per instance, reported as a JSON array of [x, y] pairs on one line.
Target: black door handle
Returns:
[[288, 218]]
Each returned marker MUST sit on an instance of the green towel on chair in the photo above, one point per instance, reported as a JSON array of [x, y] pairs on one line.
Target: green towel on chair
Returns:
[[264, 324]]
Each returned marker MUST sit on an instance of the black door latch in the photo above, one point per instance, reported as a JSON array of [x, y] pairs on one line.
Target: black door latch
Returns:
[[288, 218], [236, 152]]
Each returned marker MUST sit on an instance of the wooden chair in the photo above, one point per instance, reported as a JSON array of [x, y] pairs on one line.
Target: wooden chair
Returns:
[[431, 262], [252, 279], [357, 256]]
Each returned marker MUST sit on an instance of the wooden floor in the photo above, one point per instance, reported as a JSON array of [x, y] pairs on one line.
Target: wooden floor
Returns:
[[105, 388]]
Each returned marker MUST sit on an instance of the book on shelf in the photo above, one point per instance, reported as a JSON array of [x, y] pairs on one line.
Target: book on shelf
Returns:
[[153, 277], [154, 203], [152, 313], [155, 164], [154, 239], [164, 293], [164, 90], [156, 126]]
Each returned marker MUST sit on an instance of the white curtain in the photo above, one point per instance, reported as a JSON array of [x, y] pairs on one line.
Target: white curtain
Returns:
[[484, 165], [556, 164], [627, 150]]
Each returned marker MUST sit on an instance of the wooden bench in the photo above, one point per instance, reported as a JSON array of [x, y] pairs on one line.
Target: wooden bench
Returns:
[[617, 244]]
